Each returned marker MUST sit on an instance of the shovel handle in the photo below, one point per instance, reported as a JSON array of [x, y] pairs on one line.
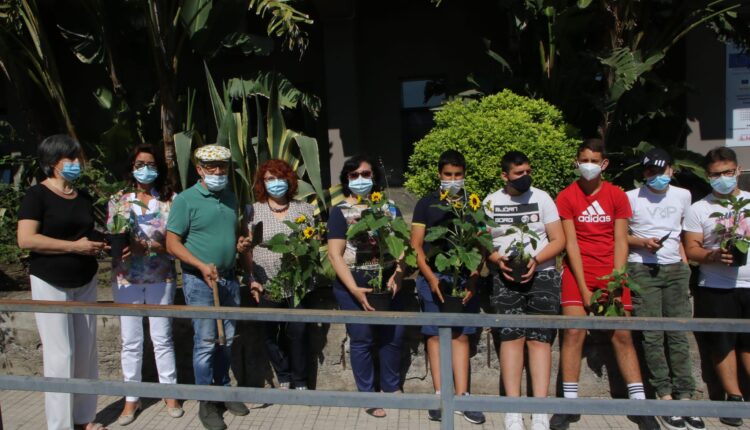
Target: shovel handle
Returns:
[[219, 322]]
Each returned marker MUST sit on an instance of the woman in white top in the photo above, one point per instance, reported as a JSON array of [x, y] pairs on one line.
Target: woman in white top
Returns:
[[146, 273]]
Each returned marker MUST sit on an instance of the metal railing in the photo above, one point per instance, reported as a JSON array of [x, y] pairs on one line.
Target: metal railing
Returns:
[[446, 401]]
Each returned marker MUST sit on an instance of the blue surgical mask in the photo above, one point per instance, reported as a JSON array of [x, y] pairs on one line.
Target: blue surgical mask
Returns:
[[277, 187], [724, 184], [145, 175], [71, 171], [658, 182], [360, 186], [215, 183]]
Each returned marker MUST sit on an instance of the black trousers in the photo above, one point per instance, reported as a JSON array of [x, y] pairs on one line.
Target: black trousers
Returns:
[[286, 347]]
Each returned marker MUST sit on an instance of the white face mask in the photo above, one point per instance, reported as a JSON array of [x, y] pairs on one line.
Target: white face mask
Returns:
[[589, 171], [453, 187]]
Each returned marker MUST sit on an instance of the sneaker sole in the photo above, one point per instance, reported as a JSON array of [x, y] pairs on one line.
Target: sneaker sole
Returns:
[[669, 426], [469, 419], [566, 425], [689, 427]]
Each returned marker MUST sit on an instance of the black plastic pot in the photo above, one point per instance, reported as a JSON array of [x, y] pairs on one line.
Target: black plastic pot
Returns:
[[380, 301], [452, 304], [739, 258], [519, 267], [117, 242], [266, 302]]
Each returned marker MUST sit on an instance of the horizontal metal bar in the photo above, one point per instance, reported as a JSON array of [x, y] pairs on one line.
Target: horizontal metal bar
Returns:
[[221, 394], [383, 318], [701, 408]]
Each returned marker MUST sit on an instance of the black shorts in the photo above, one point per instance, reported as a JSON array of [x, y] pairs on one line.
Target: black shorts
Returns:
[[727, 303], [540, 296]]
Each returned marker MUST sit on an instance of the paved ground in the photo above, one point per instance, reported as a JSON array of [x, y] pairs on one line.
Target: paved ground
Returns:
[[25, 411]]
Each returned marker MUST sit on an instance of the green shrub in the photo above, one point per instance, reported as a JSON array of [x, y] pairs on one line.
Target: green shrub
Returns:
[[484, 130]]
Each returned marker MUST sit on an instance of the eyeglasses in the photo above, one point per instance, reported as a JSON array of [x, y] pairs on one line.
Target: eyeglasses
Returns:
[[139, 164], [715, 175], [365, 174], [213, 167]]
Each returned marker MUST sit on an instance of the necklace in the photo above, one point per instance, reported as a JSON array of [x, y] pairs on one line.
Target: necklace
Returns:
[[277, 210], [62, 190]]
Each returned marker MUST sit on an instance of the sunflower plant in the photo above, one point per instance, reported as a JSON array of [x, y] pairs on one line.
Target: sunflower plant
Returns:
[[300, 259], [387, 231], [459, 244]]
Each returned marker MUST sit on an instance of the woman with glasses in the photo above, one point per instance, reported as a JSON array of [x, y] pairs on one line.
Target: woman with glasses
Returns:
[[146, 274], [356, 262], [275, 188], [54, 222]]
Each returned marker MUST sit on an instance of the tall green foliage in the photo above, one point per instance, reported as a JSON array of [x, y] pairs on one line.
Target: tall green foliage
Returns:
[[484, 130]]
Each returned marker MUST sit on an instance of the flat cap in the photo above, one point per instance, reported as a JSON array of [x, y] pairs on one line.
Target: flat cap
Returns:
[[213, 153]]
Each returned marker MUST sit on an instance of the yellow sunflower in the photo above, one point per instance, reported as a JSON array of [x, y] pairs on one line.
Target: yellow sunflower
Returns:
[[308, 232], [443, 194], [359, 199], [474, 201], [458, 205], [300, 219], [376, 196]]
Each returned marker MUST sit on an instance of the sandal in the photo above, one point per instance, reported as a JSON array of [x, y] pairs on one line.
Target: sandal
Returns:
[[376, 412], [175, 412]]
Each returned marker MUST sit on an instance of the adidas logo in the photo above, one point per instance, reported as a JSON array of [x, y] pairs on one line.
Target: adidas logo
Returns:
[[594, 213]]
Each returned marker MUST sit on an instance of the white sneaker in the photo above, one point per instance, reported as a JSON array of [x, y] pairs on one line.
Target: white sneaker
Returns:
[[514, 422], [539, 422]]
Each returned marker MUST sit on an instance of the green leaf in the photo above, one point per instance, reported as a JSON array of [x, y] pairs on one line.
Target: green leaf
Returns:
[[356, 229], [595, 296], [435, 232], [183, 143], [308, 148], [742, 246], [583, 4], [248, 44], [442, 263], [395, 245], [400, 227], [217, 103], [469, 259]]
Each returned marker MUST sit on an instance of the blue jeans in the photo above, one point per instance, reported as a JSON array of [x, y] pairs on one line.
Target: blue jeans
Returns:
[[211, 361], [363, 338], [430, 303]]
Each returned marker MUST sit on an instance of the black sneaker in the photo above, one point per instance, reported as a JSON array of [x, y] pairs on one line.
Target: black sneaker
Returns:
[[694, 423], [210, 416], [734, 422], [673, 423], [434, 415], [562, 421], [646, 422], [472, 416], [237, 408]]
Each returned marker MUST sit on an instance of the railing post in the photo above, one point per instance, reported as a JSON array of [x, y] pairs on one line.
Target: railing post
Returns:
[[446, 378]]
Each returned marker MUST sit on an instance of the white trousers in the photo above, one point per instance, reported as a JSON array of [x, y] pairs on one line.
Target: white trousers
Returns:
[[68, 351], [131, 331]]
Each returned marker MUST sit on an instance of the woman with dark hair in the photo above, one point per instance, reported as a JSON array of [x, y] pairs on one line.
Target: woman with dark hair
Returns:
[[146, 273], [275, 188], [356, 262], [54, 221]]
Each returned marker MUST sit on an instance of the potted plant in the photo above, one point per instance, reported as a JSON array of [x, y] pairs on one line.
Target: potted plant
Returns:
[[606, 302], [732, 227], [390, 235], [120, 225], [300, 262], [459, 245], [518, 258]]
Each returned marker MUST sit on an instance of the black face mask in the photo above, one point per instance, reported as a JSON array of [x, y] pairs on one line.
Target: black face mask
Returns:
[[521, 184]]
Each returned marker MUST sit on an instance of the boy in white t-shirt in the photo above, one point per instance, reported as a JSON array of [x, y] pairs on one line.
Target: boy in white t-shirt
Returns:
[[538, 293], [658, 265], [724, 285]]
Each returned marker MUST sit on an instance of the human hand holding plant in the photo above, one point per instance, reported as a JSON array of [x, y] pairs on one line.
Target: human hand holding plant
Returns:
[[733, 230], [608, 302]]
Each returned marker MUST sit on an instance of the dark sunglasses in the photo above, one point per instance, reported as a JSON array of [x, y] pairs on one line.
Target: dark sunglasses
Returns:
[[366, 174]]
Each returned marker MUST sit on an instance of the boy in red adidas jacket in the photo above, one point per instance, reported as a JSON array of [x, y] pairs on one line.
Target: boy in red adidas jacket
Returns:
[[594, 216]]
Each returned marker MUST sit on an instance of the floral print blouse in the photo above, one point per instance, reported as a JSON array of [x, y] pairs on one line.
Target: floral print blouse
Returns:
[[146, 224]]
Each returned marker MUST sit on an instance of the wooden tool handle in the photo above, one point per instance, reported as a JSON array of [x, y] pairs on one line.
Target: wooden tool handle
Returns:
[[219, 322]]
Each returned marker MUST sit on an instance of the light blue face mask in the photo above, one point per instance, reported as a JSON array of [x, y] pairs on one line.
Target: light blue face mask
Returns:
[[277, 187], [71, 171], [145, 175], [658, 182], [215, 183], [724, 184], [360, 186]]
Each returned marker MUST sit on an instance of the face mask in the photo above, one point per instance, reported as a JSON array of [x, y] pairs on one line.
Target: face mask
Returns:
[[453, 187], [360, 186], [277, 187], [658, 182], [145, 175], [521, 184], [215, 183], [724, 184], [71, 171], [589, 171]]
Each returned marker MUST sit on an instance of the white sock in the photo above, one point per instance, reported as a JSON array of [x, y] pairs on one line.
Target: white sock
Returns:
[[636, 391], [437, 392], [570, 390]]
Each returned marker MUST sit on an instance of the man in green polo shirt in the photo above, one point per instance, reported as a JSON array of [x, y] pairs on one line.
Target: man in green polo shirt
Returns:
[[201, 233]]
